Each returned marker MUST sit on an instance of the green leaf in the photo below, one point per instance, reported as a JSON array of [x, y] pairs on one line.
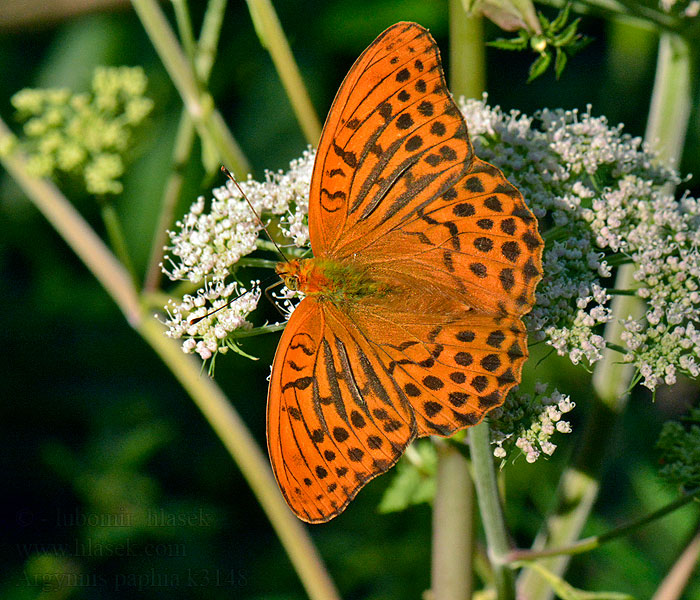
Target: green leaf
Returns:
[[238, 350], [544, 21], [560, 62], [566, 591], [540, 65], [561, 18], [567, 36], [414, 481], [512, 44]]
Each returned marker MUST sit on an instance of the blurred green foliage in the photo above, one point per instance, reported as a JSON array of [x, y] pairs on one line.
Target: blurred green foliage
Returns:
[[114, 483]]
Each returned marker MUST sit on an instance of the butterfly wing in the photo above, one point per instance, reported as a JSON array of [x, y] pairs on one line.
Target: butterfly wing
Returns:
[[477, 243], [392, 126], [453, 365], [335, 416]]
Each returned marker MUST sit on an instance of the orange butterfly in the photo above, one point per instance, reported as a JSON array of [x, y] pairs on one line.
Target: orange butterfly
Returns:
[[425, 260]]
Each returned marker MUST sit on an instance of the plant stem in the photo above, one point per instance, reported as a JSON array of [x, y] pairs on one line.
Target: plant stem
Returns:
[[184, 26], [677, 579], [490, 509], [209, 38], [271, 35], [203, 61], [640, 16], [451, 577], [115, 233], [595, 541], [674, 88], [200, 105], [171, 194], [578, 488], [214, 405], [467, 52]]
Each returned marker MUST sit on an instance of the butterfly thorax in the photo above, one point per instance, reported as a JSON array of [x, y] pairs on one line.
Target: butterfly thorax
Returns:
[[330, 280]]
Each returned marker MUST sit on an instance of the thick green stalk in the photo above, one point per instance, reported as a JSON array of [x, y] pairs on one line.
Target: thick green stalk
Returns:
[[453, 524], [453, 514], [578, 488], [200, 105], [490, 509], [271, 35], [467, 52], [209, 398]]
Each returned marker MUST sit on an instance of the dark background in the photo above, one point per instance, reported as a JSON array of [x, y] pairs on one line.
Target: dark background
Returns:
[[94, 427]]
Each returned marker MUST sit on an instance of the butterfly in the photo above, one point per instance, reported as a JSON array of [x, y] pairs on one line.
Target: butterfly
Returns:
[[424, 260]]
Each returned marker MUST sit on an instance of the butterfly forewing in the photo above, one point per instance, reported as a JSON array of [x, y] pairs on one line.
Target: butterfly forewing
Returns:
[[477, 241], [393, 130]]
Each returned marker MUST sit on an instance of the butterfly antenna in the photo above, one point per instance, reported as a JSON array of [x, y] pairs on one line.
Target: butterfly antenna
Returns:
[[255, 212]]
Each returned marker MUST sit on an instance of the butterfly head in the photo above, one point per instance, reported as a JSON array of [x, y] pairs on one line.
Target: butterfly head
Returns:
[[301, 275]]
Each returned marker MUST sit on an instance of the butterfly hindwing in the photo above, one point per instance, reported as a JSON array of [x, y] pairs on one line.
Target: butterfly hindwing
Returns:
[[336, 419], [452, 367]]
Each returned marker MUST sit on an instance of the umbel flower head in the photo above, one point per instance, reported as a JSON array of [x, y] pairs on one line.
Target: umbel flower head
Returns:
[[85, 134], [602, 200]]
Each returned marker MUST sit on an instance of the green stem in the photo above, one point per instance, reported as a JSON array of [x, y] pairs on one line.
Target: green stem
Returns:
[[171, 194], [203, 60], [595, 541], [200, 105], [209, 38], [115, 233], [451, 576], [214, 405], [262, 263], [490, 509], [262, 330], [184, 26], [467, 52], [578, 488], [271, 35], [638, 16], [674, 584], [288, 251]]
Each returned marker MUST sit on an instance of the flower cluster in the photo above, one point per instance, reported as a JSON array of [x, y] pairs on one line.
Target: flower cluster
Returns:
[[680, 451], [85, 134], [208, 246], [528, 423], [602, 198], [206, 320]]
